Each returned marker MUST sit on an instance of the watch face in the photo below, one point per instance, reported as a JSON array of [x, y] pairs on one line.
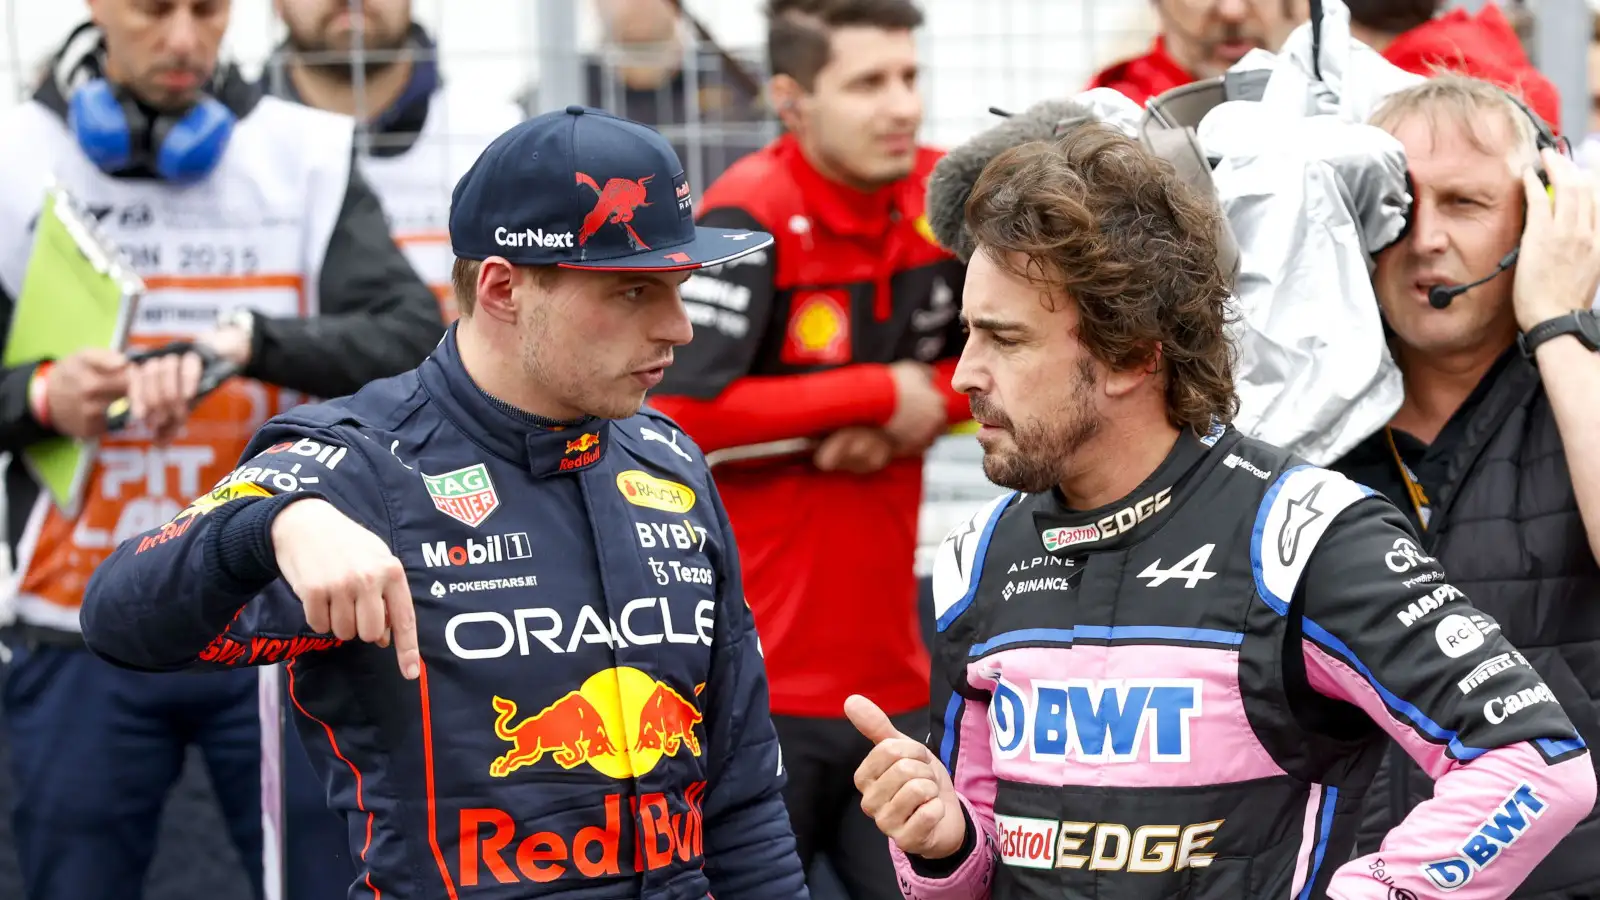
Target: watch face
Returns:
[[1589, 328]]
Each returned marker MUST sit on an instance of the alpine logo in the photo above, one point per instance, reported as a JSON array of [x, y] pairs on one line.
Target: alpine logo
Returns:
[[492, 549]]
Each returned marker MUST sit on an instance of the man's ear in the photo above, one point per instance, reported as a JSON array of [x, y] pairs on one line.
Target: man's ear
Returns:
[[497, 299], [785, 94], [1121, 382]]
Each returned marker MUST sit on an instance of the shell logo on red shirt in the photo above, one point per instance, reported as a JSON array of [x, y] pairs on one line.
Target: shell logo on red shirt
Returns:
[[819, 330]]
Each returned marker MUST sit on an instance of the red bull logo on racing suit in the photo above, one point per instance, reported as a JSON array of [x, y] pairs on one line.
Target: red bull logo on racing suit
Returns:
[[621, 722]]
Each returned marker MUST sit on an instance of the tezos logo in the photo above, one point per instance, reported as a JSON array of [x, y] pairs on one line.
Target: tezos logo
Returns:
[[550, 240]]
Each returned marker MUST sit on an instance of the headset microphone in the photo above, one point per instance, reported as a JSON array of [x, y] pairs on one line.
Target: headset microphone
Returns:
[[1440, 296]]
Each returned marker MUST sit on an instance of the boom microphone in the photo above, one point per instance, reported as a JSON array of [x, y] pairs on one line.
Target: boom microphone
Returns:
[[1440, 296]]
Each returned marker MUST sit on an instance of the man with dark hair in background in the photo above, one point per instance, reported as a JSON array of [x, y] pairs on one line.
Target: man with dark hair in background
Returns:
[[422, 131], [1201, 39], [1413, 35], [422, 135], [642, 70], [840, 339]]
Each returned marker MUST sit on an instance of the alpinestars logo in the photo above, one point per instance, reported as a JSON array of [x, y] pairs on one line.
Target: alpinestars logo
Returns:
[[1301, 512]]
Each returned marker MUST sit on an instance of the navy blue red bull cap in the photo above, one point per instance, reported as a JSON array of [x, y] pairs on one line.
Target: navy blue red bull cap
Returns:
[[581, 188]]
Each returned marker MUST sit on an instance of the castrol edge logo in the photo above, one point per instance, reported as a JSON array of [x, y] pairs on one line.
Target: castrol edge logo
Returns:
[[1119, 522]]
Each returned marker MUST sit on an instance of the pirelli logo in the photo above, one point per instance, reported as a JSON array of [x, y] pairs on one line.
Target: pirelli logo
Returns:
[[1103, 846]]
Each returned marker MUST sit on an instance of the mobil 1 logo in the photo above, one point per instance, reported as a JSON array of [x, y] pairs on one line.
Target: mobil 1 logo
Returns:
[[473, 552]]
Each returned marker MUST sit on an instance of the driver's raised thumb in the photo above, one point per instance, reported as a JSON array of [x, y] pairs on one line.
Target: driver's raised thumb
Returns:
[[872, 722]]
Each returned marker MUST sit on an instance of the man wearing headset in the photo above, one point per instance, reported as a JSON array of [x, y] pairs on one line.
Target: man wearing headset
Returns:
[[1495, 451], [263, 249]]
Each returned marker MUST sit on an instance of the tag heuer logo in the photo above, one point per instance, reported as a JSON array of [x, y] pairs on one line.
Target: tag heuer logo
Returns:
[[466, 495]]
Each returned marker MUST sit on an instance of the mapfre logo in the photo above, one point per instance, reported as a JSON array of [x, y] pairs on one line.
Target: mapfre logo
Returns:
[[1103, 846], [530, 237], [644, 489], [492, 549]]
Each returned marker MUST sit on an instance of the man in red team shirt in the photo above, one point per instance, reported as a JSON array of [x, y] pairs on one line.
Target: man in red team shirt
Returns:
[[1413, 35], [838, 343], [1201, 39]]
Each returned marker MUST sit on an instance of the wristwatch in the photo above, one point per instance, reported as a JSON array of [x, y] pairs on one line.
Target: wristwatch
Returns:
[[242, 318], [1584, 324]]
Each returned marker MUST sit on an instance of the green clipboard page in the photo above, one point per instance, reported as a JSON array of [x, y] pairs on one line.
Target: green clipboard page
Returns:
[[77, 293]]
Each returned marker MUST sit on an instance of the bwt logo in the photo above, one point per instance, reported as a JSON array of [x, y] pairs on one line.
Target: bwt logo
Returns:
[[1096, 721], [1480, 850], [529, 237]]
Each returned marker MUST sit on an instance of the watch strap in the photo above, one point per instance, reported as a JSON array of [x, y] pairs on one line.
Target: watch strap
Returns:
[[1571, 323]]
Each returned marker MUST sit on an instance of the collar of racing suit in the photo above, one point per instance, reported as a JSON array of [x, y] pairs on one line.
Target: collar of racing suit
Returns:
[[844, 210], [543, 446], [1128, 520]]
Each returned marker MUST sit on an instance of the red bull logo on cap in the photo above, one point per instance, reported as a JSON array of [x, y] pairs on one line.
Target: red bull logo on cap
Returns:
[[615, 205], [620, 721]]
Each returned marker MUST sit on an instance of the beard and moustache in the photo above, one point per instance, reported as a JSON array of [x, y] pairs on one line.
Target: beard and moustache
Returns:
[[1037, 460], [335, 55]]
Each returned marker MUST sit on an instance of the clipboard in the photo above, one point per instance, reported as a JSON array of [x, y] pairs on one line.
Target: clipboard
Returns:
[[78, 292]]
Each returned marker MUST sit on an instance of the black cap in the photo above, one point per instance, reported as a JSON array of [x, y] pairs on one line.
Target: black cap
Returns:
[[583, 189]]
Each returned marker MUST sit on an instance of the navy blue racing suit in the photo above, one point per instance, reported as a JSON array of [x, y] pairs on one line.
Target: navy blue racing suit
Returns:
[[591, 719]]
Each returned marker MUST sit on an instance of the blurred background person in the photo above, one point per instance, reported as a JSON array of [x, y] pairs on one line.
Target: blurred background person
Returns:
[[421, 132], [1494, 453], [1201, 39], [649, 70], [841, 338], [263, 252], [421, 135], [1421, 37]]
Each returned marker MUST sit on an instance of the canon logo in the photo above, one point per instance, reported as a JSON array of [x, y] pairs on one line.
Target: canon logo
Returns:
[[533, 238]]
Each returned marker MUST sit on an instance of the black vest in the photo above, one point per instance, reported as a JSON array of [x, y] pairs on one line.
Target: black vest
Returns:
[[1506, 527]]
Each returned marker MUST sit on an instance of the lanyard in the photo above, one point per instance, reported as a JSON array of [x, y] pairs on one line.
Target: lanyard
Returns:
[[1419, 497]]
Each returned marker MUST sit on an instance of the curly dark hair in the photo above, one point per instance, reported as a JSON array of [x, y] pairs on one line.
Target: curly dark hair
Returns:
[[1095, 217]]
